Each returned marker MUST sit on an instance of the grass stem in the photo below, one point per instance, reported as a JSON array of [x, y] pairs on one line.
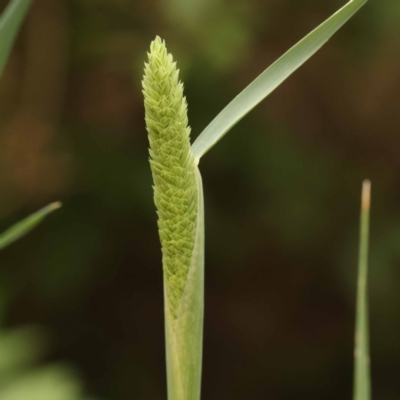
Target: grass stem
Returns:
[[362, 375]]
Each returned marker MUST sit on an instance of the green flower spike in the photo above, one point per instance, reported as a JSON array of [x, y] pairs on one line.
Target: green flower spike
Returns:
[[172, 165], [176, 196]]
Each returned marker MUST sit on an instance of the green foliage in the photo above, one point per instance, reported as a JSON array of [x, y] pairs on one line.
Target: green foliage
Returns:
[[50, 383], [271, 78], [23, 227], [21, 349], [10, 23], [19, 378], [362, 379], [173, 167]]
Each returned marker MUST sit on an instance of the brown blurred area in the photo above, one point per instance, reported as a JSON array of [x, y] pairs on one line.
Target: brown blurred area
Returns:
[[281, 193]]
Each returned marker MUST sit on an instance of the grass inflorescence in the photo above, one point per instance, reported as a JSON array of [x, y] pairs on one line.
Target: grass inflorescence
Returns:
[[172, 165]]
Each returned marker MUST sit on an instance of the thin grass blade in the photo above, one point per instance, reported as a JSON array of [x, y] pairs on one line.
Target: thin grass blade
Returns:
[[23, 227], [271, 78], [10, 22], [362, 375], [184, 335]]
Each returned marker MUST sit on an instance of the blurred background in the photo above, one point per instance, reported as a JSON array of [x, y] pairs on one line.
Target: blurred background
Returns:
[[282, 194]]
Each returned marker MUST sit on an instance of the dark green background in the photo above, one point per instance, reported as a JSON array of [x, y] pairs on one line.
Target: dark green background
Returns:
[[281, 194]]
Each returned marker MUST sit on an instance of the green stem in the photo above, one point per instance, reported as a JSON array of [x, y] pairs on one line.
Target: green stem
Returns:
[[362, 380]]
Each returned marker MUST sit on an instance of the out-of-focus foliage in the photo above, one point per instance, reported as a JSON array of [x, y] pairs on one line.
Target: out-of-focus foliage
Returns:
[[21, 349], [10, 24], [23, 227], [20, 379], [280, 318]]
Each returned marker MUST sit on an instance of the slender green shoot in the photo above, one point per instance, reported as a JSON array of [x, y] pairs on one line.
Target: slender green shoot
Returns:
[[10, 23], [23, 227], [362, 375], [178, 190], [178, 198]]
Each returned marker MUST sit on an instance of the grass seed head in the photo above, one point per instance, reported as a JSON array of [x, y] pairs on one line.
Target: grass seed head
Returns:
[[172, 165]]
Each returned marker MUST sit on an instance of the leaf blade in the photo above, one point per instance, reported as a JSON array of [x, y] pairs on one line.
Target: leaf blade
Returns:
[[271, 78], [23, 227], [10, 23], [362, 374]]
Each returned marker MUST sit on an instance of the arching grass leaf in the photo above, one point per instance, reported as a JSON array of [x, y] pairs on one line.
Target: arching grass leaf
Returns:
[[10, 22], [271, 78]]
